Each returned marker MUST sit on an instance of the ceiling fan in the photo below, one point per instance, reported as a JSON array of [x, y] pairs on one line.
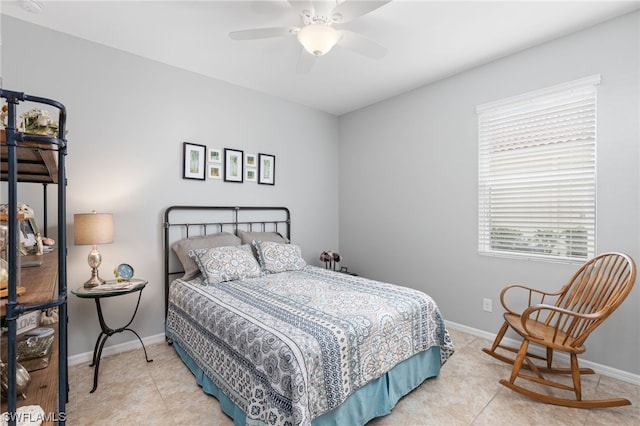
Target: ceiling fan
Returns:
[[321, 31]]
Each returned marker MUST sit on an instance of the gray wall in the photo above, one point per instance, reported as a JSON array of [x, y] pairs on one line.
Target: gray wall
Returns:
[[408, 182], [127, 120], [407, 175]]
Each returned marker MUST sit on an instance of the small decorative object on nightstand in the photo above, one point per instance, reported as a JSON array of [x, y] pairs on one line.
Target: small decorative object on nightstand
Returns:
[[330, 259], [111, 289], [123, 272]]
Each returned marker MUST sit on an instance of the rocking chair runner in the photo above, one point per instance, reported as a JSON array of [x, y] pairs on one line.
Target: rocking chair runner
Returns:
[[563, 321]]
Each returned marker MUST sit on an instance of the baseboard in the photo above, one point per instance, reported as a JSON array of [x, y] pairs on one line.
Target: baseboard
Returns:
[[116, 349], [625, 376]]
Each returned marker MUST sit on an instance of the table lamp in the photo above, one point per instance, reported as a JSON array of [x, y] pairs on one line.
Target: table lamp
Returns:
[[93, 229]]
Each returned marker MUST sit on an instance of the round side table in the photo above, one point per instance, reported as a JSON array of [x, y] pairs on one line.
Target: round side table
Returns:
[[111, 289]]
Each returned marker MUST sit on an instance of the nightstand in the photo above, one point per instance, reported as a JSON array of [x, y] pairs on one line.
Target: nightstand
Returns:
[[111, 289], [345, 270]]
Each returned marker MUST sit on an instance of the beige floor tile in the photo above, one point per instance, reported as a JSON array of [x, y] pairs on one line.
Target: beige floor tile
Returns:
[[510, 408], [134, 403], [164, 392], [460, 339]]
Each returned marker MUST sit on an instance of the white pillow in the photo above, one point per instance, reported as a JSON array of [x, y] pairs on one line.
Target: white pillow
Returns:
[[229, 263], [278, 257]]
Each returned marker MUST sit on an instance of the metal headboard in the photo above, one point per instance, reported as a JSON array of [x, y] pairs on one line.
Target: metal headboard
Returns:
[[190, 221]]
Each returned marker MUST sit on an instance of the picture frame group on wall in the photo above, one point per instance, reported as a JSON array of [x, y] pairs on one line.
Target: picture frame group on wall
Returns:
[[231, 165]]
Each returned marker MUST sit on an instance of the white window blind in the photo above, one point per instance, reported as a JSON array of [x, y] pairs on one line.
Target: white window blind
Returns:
[[537, 173]]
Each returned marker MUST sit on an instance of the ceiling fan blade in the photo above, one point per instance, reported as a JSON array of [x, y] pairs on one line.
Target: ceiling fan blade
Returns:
[[352, 9], [305, 62], [262, 33], [361, 44]]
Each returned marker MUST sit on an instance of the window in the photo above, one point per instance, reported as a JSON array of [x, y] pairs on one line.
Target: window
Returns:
[[537, 173]]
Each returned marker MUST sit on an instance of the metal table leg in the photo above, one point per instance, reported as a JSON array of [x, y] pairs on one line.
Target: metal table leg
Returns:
[[108, 332]]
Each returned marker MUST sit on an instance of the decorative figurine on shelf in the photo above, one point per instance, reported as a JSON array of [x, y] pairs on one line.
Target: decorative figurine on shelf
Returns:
[[27, 226], [38, 121], [4, 274], [3, 116], [24, 211], [39, 246], [330, 259], [49, 316], [23, 378], [4, 240]]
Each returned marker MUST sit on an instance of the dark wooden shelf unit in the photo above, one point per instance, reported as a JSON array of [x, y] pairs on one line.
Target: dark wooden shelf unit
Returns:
[[36, 159]]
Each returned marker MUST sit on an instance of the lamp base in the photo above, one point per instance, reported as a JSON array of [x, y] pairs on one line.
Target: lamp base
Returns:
[[94, 259], [95, 280]]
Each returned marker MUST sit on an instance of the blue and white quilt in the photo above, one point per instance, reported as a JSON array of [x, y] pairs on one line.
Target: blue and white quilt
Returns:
[[290, 346]]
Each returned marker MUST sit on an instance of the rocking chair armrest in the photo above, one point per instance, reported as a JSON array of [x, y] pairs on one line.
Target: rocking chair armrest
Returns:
[[531, 291], [533, 311]]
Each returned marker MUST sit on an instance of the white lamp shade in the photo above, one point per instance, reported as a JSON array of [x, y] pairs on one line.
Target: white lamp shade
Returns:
[[93, 228], [318, 39]]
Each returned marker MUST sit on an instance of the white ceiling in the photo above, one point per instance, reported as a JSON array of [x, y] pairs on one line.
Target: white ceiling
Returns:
[[426, 40]]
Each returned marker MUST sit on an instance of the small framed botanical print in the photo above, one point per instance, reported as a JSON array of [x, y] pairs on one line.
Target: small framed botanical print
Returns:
[[250, 160], [251, 174], [215, 155], [194, 157], [233, 165], [215, 171], [266, 169]]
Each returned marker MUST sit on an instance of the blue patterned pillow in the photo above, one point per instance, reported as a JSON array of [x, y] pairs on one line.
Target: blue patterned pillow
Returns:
[[220, 264], [278, 257]]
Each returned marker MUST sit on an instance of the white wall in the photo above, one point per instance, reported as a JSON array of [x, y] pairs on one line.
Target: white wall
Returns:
[[127, 119], [408, 181]]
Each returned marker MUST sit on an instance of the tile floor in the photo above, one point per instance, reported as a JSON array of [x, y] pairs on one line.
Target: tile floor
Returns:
[[467, 392]]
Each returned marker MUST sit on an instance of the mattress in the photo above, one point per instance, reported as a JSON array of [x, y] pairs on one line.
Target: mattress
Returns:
[[297, 347]]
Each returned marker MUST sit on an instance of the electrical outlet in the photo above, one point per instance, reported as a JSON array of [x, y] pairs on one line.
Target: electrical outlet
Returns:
[[487, 305]]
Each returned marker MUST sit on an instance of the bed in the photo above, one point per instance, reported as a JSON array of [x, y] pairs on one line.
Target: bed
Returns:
[[281, 342]]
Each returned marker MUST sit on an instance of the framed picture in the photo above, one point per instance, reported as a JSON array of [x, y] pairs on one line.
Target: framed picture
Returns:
[[215, 171], [28, 233], [233, 165], [193, 161], [215, 155], [266, 169], [250, 160], [251, 174]]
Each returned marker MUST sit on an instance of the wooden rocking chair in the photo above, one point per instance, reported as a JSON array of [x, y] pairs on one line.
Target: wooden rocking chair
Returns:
[[562, 321]]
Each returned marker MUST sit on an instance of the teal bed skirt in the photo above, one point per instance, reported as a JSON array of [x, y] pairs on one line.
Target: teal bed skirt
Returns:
[[376, 398]]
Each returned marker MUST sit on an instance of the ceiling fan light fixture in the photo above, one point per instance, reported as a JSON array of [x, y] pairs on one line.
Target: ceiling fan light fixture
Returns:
[[318, 39]]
